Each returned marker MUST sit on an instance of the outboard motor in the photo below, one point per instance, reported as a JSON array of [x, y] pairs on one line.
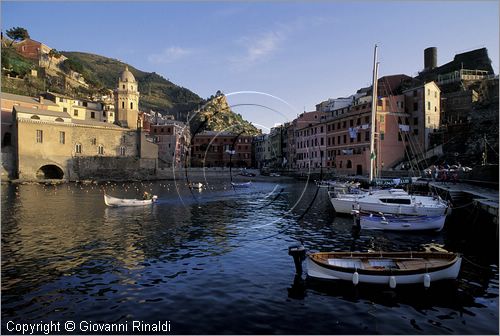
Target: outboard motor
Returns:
[[298, 252]]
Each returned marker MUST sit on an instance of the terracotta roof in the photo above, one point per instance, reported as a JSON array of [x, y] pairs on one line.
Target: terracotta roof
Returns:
[[25, 99], [41, 112], [94, 123]]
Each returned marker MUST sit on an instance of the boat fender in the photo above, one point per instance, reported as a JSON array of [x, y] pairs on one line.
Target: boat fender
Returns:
[[298, 252], [392, 282], [427, 280], [355, 278]]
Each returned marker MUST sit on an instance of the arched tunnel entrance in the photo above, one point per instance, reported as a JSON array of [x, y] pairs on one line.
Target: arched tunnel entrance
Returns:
[[50, 172]]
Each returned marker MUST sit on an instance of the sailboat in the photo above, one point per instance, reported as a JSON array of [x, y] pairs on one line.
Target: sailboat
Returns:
[[394, 201]]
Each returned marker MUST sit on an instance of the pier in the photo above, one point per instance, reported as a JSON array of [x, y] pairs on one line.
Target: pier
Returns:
[[484, 198]]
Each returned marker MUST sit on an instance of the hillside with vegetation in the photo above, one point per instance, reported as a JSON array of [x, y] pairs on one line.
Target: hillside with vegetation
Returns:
[[101, 74], [216, 115], [157, 93]]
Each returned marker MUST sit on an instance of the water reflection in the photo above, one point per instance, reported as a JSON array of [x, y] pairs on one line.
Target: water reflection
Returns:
[[65, 255]]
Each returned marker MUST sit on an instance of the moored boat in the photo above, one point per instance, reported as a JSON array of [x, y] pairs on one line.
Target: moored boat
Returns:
[[241, 185], [391, 201], [117, 202], [379, 221], [392, 268]]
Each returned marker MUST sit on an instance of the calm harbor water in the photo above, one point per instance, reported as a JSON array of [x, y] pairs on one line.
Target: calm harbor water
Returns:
[[215, 261]]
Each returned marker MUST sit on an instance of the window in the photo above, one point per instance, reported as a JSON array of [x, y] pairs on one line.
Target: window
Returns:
[[429, 105], [428, 92], [415, 93], [345, 138], [322, 142], [344, 124], [382, 135], [435, 94], [93, 141], [39, 136], [399, 137], [415, 131], [382, 119], [84, 104], [367, 136], [59, 120], [351, 122], [123, 86], [7, 139], [123, 105], [131, 105], [396, 200], [92, 115], [61, 100], [415, 106], [428, 120], [435, 109], [349, 164], [100, 150], [123, 139], [338, 139], [75, 112], [65, 109], [122, 151], [35, 117], [415, 121], [78, 148], [359, 137]]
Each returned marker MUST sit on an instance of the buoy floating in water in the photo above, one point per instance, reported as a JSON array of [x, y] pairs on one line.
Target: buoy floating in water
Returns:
[[427, 280], [392, 282], [355, 278]]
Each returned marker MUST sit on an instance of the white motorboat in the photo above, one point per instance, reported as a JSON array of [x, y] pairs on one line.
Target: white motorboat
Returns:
[[372, 221], [119, 202], [391, 201], [392, 268], [241, 185]]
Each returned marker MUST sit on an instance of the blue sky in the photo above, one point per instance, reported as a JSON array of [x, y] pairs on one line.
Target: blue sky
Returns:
[[296, 54]]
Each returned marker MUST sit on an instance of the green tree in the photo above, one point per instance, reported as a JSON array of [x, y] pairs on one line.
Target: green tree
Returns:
[[17, 34]]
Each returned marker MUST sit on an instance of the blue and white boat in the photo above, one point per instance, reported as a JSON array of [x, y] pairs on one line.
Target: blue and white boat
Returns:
[[392, 222]]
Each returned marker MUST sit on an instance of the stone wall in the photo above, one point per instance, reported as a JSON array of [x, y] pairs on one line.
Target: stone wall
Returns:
[[113, 168]]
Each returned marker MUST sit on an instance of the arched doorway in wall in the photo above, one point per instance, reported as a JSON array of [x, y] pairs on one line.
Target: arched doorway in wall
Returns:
[[359, 169], [50, 172]]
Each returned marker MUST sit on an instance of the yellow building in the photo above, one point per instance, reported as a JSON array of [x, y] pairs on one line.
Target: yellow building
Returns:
[[73, 139]]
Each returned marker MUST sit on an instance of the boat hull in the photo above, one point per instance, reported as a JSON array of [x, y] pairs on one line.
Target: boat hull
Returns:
[[402, 223], [121, 202], [399, 276], [241, 185]]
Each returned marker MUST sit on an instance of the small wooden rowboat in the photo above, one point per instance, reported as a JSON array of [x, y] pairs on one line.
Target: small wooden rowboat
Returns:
[[118, 202], [241, 185], [384, 267]]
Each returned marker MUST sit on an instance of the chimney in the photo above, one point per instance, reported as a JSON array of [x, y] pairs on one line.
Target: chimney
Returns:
[[430, 58]]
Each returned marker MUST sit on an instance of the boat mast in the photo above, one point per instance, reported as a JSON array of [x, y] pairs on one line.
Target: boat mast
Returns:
[[374, 114]]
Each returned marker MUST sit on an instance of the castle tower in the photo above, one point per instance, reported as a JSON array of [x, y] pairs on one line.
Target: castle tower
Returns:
[[127, 101]]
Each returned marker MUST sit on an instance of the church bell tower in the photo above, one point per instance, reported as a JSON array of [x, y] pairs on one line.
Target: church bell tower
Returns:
[[127, 101]]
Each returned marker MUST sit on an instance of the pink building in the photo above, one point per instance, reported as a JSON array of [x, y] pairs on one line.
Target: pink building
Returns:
[[348, 131], [173, 140], [310, 143], [295, 135]]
